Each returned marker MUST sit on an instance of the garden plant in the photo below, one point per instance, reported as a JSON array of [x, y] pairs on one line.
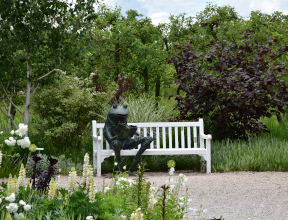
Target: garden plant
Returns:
[[64, 65]]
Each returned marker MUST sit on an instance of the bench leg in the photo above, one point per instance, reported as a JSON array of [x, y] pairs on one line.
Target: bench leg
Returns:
[[98, 162], [94, 162], [208, 164]]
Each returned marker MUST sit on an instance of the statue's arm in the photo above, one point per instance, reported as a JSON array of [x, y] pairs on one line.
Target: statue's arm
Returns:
[[108, 135]]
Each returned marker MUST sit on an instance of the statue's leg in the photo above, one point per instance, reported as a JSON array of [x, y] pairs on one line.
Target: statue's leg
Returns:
[[145, 142], [116, 147]]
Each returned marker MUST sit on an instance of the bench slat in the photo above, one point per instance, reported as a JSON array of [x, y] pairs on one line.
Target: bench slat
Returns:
[[176, 138], [159, 124], [145, 132], [139, 130], [182, 138], [170, 137], [157, 138], [188, 137], [195, 136], [164, 137], [155, 152], [151, 135]]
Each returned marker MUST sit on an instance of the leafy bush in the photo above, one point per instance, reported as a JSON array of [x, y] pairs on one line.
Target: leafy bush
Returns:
[[64, 110], [231, 86]]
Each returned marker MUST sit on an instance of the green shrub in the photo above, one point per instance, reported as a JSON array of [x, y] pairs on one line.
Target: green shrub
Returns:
[[62, 112]]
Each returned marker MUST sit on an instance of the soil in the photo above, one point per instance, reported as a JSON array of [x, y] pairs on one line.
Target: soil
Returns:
[[232, 195]]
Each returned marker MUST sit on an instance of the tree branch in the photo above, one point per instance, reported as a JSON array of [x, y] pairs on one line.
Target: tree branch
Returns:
[[272, 18], [47, 74], [34, 90], [10, 99]]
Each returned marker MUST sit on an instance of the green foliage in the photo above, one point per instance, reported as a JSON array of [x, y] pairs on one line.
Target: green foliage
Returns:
[[64, 110], [141, 109]]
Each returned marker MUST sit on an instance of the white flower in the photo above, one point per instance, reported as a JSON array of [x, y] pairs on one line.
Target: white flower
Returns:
[[1, 132], [190, 210], [205, 211], [10, 198], [89, 217], [181, 198], [190, 201], [92, 74], [12, 207], [12, 132], [11, 142], [0, 200], [21, 216], [22, 202], [195, 211], [171, 187], [124, 168], [72, 181], [16, 216], [22, 129], [171, 172], [181, 204], [24, 143], [106, 189], [27, 207], [115, 163], [85, 167]]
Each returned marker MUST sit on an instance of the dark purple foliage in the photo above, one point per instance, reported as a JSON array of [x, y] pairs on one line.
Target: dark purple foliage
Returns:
[[36, 159], [125, 84], [52, 161], [231, 86]]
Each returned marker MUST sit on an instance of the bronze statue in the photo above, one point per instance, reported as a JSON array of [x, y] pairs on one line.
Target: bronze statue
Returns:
[[118, 134]]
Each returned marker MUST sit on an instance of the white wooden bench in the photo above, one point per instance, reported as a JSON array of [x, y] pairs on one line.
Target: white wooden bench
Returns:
[[160, 146]]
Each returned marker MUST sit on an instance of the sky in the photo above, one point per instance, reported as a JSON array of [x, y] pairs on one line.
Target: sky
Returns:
[[160, 10]]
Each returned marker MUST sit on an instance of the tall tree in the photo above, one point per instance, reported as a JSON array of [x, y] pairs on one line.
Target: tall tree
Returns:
[[46, 34]]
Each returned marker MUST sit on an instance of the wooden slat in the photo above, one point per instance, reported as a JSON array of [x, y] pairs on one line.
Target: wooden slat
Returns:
[[176, 138], [182, 138], [159, 124], [101, 135], [151, 135], [195, 136], [157, 138], [139, 131], [164, 137], [170, 137], [145, 132], [189, 137], [201, 131]]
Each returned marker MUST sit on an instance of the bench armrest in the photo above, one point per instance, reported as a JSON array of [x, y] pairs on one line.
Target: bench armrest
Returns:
[[206, 136], [97, 138]]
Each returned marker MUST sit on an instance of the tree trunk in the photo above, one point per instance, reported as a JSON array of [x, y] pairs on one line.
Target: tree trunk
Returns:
[[116, 60], [146, 78], [12, 114], [28, 91], [157, 89]]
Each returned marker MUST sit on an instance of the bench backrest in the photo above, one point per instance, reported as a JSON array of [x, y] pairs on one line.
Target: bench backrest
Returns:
[[155, 129]]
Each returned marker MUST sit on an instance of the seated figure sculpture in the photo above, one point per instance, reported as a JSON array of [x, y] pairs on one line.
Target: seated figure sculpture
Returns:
[[118, 134]]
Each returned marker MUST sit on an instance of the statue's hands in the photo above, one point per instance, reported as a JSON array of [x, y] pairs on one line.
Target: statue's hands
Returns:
[[138, 134]]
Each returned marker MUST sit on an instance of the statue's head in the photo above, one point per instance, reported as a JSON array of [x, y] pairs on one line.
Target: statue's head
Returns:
[[118, 113]]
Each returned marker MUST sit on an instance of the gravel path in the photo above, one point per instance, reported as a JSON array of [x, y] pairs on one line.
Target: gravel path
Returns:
[[232, 195]]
